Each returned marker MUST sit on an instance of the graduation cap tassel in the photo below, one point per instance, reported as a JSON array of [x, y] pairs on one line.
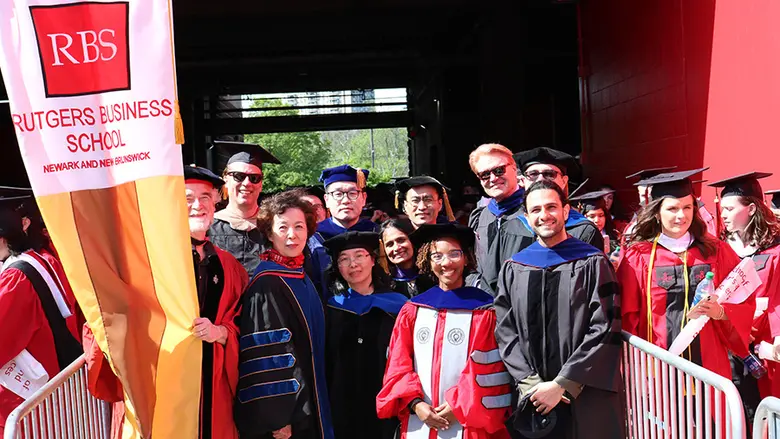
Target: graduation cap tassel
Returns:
[[718, 220], [361, 179], [397, 197], [447, 207], [383, 257], [178, 124]]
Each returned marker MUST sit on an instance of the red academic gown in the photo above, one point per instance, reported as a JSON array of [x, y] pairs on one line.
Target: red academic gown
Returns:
[[667, 300], [767, 325], [443, 348], [104, 384], [23, 324]]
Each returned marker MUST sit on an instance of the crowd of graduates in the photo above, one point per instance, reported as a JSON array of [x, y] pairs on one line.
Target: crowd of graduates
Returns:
[[325, 313]]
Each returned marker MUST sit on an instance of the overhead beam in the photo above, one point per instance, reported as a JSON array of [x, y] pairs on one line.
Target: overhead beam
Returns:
[[291, 124]]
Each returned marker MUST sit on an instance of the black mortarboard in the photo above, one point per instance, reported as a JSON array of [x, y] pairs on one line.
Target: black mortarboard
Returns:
[[431, 232], [591, 200], [13, 202], [352, 240], [652, 172], [565, 162], [671, 184], [745, 185], [224, 153], [775, 201], [403, 186], [192, 172]]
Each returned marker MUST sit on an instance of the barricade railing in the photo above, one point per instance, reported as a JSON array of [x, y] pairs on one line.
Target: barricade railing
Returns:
[[62, 409], [767, 421], [670, 397]]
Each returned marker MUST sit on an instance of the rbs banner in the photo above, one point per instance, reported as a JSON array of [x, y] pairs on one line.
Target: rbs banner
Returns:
[[93, 102]]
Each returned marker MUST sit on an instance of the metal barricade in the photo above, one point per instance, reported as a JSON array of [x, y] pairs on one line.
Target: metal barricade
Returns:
[[670, 397], [767, 415], [61, 409]]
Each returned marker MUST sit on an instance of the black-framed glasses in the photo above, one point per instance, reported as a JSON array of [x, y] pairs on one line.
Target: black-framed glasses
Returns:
[[239, 177], [452, 255], [498, 171], [339, 195], [547, 174], [427, 200]]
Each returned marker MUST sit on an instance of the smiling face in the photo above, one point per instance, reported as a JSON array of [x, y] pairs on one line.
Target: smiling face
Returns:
[[736, 216], [355, 266], [398, 247], [545, 213], [201, 200], [449, 269], [289, 233], [676, 216], [243, 193], [498, 187], [422, 205], [345, 210]]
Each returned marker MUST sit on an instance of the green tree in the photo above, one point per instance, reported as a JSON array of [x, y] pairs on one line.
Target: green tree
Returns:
[[390, 151], [303, 155]]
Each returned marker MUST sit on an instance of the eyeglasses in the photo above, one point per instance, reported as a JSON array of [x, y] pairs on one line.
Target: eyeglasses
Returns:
[[346, 261], [452, 255], [339, 195], [498, 171], [426, 200], [548, 174], [239, 177]]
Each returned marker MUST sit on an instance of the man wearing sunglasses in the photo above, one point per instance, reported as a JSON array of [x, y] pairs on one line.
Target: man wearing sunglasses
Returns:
[[498, 231], [235, 227], [556, 166]]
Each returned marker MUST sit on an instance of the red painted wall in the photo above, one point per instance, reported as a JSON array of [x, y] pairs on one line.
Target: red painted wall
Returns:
[[679, 82]]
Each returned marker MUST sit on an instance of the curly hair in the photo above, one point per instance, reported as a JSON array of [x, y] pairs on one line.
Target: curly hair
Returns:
[[763, 230], [380, 279], [279, 204], [426, 267], [648, 227]]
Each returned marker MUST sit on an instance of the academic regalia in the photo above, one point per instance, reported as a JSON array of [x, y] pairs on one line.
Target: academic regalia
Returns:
[[410, 282], [443, 349], [25, 324], [282, 358], [710, 348], [502, 231], [556, 322], [358, 330], [328, 228], [768, 323]]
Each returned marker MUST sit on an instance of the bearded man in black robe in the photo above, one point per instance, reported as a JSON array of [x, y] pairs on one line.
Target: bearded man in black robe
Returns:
[[558, 328]]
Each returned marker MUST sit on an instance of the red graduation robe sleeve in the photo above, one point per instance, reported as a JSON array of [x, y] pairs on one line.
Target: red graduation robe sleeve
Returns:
[[466, 398], [734, 332], [225, 369], [401, 384], [630, 276]]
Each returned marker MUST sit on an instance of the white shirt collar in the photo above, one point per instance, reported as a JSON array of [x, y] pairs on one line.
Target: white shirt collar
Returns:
[[740, 248], [678, 245]]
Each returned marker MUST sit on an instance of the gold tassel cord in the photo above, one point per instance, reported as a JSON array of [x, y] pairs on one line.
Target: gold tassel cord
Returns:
[[178, 124], [361, 179], [447, 207], [397, 199], [383, 261]]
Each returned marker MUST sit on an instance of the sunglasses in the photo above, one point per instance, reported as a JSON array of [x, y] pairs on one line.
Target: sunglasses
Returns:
[[547, 175], [498, 171], [239, 177]]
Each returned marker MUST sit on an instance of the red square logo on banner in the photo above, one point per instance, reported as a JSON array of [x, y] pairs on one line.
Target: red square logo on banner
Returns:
[[84, 47]]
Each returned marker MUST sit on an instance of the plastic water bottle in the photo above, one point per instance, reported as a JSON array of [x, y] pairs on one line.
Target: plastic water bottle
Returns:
[[704, 289]]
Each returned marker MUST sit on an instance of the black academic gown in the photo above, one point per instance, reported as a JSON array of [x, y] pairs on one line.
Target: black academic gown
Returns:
[[499, 238], [559, 320], [246, 246], [410, 283], [357, 339], [282, 357]]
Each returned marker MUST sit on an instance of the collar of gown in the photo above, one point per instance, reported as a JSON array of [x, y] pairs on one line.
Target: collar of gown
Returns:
[[678, 245]]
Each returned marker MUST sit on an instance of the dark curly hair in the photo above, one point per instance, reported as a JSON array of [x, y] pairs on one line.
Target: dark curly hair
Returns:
[[648, 227], [424, 259], [380, 279], [763, 230], [279, 204]]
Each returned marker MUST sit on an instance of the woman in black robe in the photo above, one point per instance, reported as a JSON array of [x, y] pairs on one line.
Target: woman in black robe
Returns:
[[402, 256], [359, 322]]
